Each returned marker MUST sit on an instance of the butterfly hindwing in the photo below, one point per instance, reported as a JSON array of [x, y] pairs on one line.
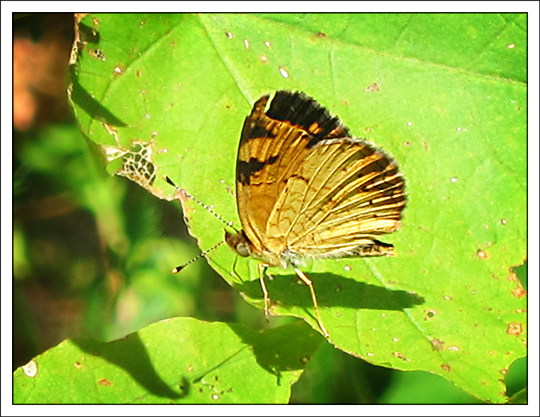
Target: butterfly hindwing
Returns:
[[353, 196]]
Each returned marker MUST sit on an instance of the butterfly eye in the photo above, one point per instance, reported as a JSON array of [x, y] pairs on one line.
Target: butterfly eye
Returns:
[[242, 249], [238, 242]]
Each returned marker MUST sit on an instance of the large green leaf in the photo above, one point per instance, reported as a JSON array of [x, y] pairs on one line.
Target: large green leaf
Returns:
[[180, 360], [444, 94]]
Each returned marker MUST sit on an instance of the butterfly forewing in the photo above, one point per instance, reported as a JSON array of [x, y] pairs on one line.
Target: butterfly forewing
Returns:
[[273, 147]]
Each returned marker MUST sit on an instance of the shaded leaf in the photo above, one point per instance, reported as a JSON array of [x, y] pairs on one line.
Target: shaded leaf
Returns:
[[175, 361]]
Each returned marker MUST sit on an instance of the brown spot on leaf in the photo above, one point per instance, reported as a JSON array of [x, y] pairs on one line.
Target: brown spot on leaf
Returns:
[[119, 69], [519, 292], [430, 314], [401, 356], [98, 54], [446, 367], [514, 328], [372, 87], [493, 275], [104, 382], [481, 254], [512, 277], [437, 344]]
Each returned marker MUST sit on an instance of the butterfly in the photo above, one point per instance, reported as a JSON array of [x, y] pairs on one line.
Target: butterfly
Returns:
[[307, 189]]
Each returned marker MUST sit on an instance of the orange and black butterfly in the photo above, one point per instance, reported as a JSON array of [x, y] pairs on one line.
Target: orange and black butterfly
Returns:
[[307, 189]]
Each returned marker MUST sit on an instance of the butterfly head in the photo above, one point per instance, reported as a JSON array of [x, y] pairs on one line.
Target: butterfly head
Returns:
[[238, 242]]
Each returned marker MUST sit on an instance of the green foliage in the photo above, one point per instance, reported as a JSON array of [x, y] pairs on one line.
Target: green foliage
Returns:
[[444, 94], [174, 361]]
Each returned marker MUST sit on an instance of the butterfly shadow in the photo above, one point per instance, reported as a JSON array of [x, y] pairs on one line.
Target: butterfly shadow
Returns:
[[332, 290], [131, 355]]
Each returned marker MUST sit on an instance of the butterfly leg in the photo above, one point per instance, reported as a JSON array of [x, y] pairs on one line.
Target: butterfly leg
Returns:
[[262, 272], [309, 283]]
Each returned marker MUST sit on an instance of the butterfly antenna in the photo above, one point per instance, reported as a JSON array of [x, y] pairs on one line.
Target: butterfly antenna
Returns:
[[200, 203], [201, 255], [217, 245]]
